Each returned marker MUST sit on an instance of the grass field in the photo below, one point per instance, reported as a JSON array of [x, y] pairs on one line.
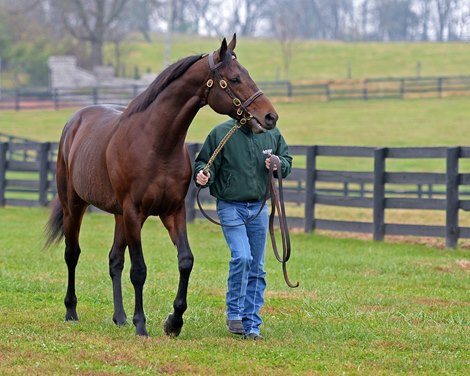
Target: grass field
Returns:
[[414, 122], [311, 60], [362, 308]]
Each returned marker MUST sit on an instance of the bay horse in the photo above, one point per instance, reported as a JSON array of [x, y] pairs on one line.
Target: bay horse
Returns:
[[132, 162]]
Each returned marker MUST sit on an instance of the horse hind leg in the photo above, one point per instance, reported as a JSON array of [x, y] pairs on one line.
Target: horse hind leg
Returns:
[[176, 226], [73, 215], [116, 265]]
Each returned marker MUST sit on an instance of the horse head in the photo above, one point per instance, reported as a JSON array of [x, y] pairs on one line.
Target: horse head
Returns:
[[233, 92]]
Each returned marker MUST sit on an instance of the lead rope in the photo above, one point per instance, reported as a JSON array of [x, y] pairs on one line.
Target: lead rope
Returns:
[[220, 146], [277, 202]]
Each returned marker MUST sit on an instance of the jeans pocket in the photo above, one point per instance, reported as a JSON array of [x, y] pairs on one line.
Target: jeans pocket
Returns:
[[229, 214]]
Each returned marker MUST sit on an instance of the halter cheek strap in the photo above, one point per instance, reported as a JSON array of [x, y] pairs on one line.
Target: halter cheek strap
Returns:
[[242, 110]]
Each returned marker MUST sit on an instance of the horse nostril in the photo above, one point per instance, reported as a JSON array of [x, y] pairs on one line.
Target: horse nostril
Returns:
[[271, 119]]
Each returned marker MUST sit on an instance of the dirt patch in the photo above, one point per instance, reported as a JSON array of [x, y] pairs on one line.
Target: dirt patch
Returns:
[[438, 243], [291, 294], [463, 264], [433, 302]]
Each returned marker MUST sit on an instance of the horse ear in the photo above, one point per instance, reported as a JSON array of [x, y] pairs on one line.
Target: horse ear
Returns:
[[233, 42], [223, 49]]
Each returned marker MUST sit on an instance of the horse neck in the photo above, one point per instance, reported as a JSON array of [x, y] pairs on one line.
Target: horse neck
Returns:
[[171, 114]]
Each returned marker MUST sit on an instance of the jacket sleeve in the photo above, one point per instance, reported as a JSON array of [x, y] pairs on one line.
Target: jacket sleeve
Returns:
[[282, 152], [203, 157]]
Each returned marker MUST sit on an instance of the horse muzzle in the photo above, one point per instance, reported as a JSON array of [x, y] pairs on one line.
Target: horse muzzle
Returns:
[[269, 123]]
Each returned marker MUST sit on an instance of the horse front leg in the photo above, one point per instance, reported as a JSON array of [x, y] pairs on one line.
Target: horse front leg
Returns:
[[176, 226], [116, 265], [133, 222]]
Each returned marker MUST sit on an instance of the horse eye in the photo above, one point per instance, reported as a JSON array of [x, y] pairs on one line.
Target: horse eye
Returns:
[[235, 80]]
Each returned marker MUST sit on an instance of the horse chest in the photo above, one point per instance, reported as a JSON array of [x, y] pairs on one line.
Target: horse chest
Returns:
[[165, 193]]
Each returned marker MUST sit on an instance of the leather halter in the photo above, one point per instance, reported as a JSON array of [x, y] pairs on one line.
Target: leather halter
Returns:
[[242, 107]]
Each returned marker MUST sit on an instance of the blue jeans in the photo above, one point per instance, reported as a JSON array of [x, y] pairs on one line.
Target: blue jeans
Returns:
[[246, 277]]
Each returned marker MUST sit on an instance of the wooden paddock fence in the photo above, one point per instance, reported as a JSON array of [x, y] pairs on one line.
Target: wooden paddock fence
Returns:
[[27, 178], [366, 89]]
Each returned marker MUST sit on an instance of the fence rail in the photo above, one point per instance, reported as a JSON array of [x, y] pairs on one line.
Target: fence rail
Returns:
[[27, 178], [370, 88]]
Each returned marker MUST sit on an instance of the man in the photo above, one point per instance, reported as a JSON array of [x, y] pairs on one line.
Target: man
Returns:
[[237, 179]]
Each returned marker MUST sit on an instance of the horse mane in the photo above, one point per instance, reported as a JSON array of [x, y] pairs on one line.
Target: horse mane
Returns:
[[166, 77]]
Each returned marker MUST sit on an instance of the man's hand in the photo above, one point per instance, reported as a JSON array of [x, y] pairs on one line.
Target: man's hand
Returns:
[[202, 178], [267, 163]]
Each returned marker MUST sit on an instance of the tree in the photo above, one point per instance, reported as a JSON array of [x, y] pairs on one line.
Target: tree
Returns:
[[396, 20], [245, 16], [444, 10], [24, 42], [285, 27], [92, 21], [424, 17]]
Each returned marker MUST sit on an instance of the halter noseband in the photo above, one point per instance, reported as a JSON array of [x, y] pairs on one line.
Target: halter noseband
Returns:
[[242, 107]]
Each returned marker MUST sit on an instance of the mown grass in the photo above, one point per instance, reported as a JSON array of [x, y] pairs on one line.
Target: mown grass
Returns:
[[414, 122], [311, 60], [389, 123], [362, 308]]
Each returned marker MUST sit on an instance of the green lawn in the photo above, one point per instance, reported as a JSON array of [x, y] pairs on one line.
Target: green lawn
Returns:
[[311, 60], [413, 122], [362, 307]]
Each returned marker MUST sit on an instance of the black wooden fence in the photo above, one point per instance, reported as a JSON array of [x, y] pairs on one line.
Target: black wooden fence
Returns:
[[27, 178], [370, 88], [27, 173]]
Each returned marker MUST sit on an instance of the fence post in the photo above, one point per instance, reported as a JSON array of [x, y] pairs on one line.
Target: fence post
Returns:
[[439, 87], [365, 91], [190, 201], [289, 89], [55, 94], [3, 171], [95, 95], [452, 197], [43, 173], [402, 88], [379, 194], [310, 175], [17, 99], [327, 91]]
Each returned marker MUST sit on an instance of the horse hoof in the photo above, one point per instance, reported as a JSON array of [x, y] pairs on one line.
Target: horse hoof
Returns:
[[71, 316], [120, 321], [142, 332], [170, 328]]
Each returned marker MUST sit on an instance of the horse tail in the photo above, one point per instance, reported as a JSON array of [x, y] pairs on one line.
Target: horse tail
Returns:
[[54, 230]]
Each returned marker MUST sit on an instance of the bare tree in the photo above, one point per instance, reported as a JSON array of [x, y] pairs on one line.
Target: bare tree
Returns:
[[92, 21], [246, 15], [196, 15], [395, 20], [444, 10], [424, 9], [285, 20]]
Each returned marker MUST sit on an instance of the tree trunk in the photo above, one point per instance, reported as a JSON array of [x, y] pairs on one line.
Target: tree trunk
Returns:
[[97, 52]]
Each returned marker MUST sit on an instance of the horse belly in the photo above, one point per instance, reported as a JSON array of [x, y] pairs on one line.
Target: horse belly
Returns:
[[89, 175]]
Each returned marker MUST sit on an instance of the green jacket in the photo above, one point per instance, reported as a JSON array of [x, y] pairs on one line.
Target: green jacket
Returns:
[[239, 172]]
